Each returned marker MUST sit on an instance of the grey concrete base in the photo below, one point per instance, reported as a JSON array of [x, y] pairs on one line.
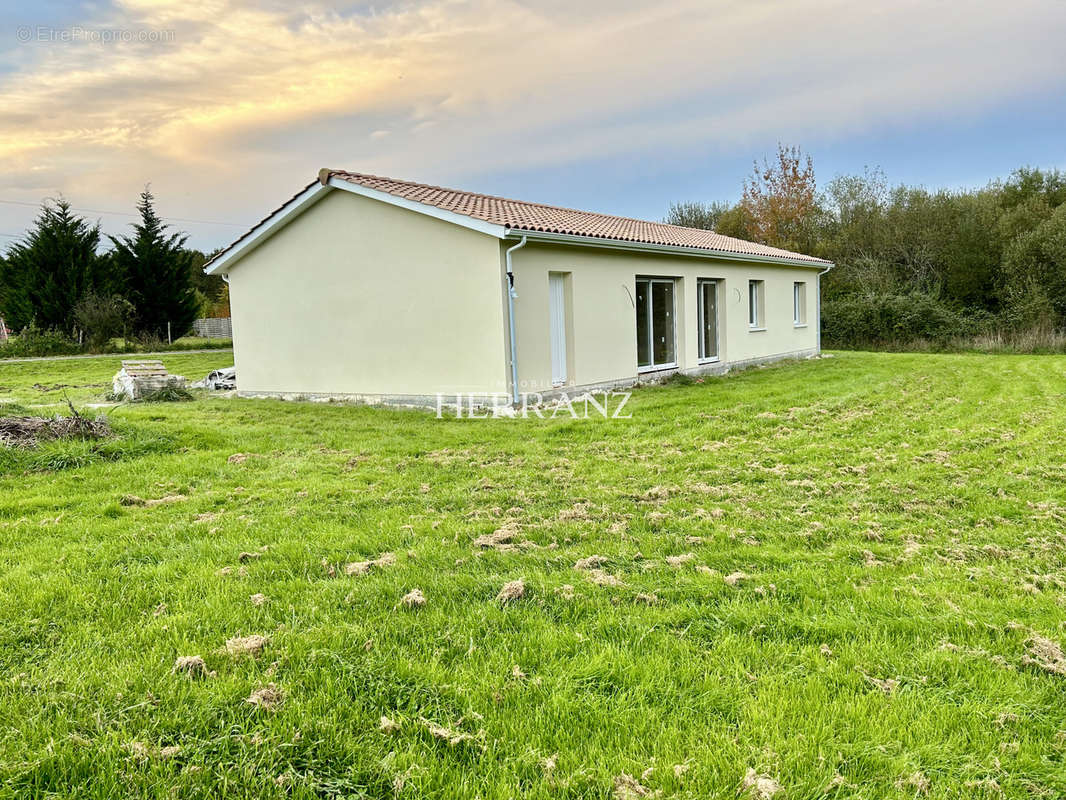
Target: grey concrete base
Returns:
[[483, 402]]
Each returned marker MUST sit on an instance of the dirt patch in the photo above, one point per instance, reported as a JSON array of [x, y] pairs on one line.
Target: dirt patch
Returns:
[[916, 781], [258, 599], [735, 578], [144, 752], [1045, 654], [363, 567], [579, 512], [240, 458], [511, 591], [134, 500], [626, 787], [28, 432], [504, 539], [679, 561], [55, 387], [590, 562], [601, 578], [193, 666], [388, 726], [656, 494], [413, 599], [268, 697], [246, 645], [761, 787], [871, 560]]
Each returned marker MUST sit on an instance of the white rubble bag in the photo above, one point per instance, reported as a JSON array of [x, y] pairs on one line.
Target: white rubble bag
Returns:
[[137, 379], [219, 379]]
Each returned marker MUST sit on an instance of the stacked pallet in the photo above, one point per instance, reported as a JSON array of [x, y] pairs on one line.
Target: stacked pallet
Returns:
[[140, 378]]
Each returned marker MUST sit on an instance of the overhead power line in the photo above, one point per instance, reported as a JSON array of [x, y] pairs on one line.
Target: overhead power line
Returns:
[[129, 214]]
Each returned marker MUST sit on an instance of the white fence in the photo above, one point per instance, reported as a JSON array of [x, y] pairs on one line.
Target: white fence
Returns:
[[213, 328]]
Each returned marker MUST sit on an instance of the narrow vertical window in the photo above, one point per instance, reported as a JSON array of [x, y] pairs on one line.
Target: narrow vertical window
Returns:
[[755, 304], [707, 296], [799, 303]]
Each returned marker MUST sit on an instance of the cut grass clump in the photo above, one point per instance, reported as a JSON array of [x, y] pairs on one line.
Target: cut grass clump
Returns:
[[167, 394], [679, 604], [52, 455]]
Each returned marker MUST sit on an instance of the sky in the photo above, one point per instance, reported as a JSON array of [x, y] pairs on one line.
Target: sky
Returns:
[[228, 107]]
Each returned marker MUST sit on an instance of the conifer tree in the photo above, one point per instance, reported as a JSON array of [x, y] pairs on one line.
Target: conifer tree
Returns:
[[154, 270], [45, 275]]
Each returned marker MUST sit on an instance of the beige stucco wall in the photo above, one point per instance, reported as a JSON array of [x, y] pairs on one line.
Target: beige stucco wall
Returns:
[[602, 347], [360, 297]]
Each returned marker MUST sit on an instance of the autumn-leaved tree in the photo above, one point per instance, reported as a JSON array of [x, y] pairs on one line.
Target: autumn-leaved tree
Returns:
[[780, 202]]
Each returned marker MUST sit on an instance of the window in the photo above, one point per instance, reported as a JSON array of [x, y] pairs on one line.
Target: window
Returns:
[[756, 312], [799, 303], [655, 323], [707, 294]]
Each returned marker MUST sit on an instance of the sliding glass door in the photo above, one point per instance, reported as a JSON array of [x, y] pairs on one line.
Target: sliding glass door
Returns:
[[656, 345]]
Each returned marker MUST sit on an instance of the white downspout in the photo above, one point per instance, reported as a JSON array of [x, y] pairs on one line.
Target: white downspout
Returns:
[[819, 290], [511, 295]]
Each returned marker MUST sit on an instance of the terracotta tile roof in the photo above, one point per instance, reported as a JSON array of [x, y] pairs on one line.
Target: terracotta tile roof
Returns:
[[523, 216]]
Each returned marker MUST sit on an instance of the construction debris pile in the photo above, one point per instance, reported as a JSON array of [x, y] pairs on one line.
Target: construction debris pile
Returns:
[[145, 378], [28, 432], [220, 380]]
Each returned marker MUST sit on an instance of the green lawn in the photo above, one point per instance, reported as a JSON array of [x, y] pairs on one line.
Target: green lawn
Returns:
[[872, 606]]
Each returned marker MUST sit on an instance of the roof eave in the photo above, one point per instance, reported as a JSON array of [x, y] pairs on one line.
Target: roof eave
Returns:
[[647, 247], [266, 227]]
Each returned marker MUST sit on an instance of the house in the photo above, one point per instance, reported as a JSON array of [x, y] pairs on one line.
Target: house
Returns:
[[385, 290]]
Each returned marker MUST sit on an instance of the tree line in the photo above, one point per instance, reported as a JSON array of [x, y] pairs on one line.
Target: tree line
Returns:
[[914, 267], [57, 281]]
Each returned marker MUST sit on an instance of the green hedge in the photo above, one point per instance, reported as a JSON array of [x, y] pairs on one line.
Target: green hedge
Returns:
[[878, 320]]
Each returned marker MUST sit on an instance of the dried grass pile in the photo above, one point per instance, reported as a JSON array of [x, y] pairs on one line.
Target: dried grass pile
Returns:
[[28, 432]]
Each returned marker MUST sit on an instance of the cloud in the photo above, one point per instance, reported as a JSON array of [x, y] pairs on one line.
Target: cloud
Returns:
[[247, 99]]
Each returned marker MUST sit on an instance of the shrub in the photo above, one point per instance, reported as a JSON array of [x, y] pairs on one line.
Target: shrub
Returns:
[[102, 318], [33, 341], [881, 319]]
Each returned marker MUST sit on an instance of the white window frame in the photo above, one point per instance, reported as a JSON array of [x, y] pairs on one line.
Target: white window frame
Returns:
[[653, 367], [700, 311], [756, 295], [799, 304]]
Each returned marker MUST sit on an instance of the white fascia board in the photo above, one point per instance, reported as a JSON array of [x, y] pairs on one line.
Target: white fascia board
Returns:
[[498, 231], [678, 250], [283, 216]]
